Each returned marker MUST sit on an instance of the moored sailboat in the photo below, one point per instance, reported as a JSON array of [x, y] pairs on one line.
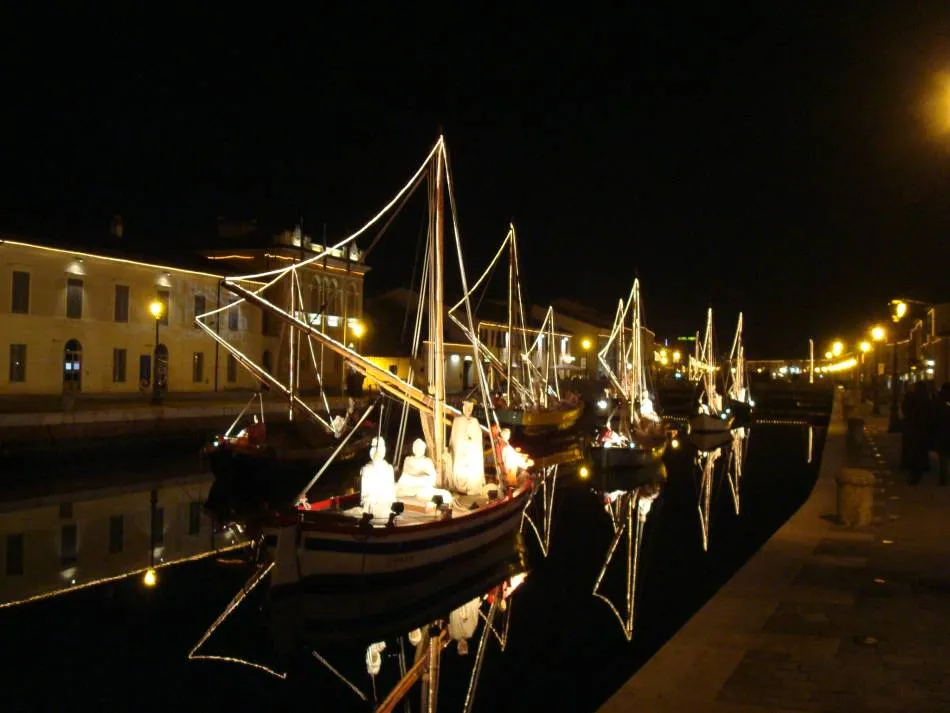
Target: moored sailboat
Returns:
[[639, 438], [529, 398], [442, 506], [710, 415], [738, 394]]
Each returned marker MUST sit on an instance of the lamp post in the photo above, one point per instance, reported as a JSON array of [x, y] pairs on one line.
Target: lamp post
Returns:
[[877, 335], [898, 310], [157, 309]]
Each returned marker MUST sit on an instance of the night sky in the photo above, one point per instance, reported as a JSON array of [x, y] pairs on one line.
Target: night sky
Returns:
[[771, 157]]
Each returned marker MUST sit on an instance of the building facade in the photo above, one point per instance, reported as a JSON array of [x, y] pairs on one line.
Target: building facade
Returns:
[[80, 322]]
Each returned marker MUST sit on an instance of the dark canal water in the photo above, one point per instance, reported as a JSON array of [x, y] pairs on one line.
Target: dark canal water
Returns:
[[122, 646]]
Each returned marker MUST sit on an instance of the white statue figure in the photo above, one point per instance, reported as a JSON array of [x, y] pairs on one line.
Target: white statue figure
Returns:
[[374, 659], [463, 622], [377, 482], [646, 409], [468, 459], [418, 476], [513, 461]]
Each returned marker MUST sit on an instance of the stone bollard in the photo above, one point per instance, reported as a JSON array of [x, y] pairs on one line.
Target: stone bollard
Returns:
[[855, 496]]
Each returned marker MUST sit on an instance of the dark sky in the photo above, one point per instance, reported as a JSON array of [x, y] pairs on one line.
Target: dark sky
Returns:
[[772, 157]]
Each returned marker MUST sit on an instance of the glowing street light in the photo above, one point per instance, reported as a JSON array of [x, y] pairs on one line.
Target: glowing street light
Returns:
[[837, 348], [150, 578], [676, 356], [585, 344], [157, 309], [898, 310], [828, 355], [865, 347], [878, 333], [358, 329]]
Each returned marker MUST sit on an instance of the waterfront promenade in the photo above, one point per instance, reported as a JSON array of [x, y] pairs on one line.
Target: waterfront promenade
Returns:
[[823, 617]]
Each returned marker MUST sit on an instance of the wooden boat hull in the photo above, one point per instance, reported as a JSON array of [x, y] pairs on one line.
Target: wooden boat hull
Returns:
[[706, 423], [267, 471], [619, 459], [540, 421], [710, 440], [740, 410], [329, 544]]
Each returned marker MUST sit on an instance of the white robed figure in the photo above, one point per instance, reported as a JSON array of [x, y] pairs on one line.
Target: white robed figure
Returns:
[[418, 476], [463, 622], [468, 458], [377, 482]]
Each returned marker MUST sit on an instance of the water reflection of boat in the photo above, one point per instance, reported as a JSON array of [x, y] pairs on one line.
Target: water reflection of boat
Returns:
[[709, 449], [737, 454], [628, 509], [357, 631]]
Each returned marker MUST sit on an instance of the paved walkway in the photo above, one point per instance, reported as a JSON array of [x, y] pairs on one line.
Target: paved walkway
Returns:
[[823, 618]]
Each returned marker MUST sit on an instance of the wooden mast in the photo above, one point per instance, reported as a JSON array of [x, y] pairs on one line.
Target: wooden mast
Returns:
[[437, 363], [510, 338]]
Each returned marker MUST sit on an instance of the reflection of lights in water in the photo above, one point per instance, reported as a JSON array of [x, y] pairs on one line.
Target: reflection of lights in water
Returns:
[[675, 443], [601, 404], [150, 578]]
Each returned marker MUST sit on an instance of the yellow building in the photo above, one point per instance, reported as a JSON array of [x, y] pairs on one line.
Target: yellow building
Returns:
[[73, 321]]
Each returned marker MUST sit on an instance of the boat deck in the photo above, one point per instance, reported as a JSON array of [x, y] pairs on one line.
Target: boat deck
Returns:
[[419, 510]]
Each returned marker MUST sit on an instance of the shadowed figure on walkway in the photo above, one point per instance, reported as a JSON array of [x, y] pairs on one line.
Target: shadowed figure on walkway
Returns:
[[941, 442], [915, 443]]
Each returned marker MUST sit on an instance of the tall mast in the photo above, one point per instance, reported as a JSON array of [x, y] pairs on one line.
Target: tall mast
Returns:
[[636, 362], [511, 287], [437, 375], [291, 334]]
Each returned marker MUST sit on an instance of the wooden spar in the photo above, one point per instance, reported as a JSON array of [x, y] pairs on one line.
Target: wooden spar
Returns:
[[290, 360], [406, 682], [510, 337], [333, 455], [261, 375], [435, 321], [391, 384]]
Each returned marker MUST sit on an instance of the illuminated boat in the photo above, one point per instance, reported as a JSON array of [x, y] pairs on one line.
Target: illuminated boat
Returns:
[[279, 461], [374, 533], [711, 415], [530, 400], [738, 396], [640, 439]]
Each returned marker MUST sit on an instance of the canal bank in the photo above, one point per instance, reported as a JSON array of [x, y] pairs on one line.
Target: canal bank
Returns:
[[31, 422], [823, 617]]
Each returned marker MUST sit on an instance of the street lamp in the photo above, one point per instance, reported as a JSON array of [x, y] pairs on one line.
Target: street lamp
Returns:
[[585, 344], [157, 309], [898, 310], [837, 348]]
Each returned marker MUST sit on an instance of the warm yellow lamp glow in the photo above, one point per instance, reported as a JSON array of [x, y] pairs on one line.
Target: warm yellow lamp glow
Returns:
[[837, 348], [358, 329], [878, 334], [899, 308], [865, 346], [676, 356], [150, 578], [583, 472], [675, 443], [828, 355], [585, 344], [157, 309]]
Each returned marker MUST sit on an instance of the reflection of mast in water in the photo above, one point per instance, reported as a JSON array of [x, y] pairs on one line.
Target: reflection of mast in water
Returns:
[[546, 492], [706, 462], [740, 443], [621, 505], [811, 442]]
